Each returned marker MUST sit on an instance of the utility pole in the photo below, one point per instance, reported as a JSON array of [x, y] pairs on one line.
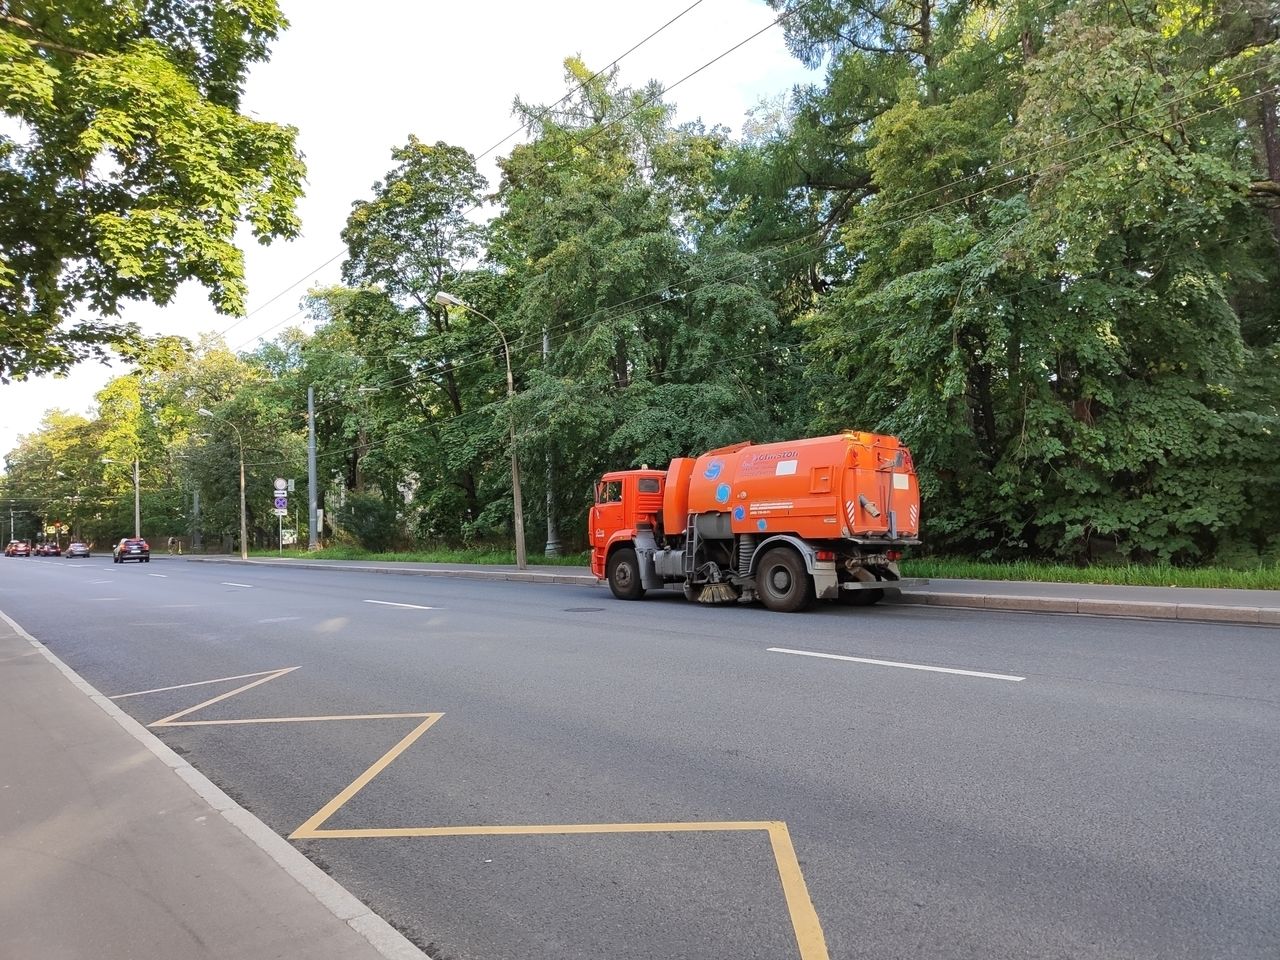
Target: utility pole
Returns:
[[313, 535], [137, 502], [197, 541], [552, 548]]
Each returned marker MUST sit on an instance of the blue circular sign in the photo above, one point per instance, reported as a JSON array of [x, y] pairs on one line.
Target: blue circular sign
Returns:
[[761, 524], [722, 493], [739, 513]]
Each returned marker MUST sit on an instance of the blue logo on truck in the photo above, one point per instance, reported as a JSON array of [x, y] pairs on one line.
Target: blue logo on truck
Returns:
[[713, 469], [722, 493], [739, 513]]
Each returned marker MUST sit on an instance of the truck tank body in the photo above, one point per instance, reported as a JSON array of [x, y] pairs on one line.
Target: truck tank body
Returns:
[[846, 485], [675, 497]]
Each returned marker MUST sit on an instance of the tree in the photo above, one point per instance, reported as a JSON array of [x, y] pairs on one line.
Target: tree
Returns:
[[131, 168]]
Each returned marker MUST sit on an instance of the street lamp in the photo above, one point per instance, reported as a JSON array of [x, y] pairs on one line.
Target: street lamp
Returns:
[[449, 300], [244, 527]]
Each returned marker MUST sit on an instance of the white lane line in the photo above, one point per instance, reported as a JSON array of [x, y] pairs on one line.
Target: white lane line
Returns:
[[278, 619], [228, 583], [99, 581], [162, 576], [409, 606], [198, 683], [894, 663]]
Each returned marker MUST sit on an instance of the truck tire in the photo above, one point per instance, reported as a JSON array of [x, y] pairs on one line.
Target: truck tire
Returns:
[[782, 582], [624, 574]]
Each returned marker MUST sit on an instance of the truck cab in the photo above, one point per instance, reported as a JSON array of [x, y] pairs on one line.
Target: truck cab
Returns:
[[626, 503]]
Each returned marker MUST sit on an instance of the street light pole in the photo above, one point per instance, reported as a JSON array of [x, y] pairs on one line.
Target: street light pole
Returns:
[[244, 527], [449, 300], [137, 502], [313, 535]]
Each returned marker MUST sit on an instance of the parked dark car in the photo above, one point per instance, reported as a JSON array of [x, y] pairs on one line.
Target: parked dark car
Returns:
[[131, 548], [48, 550], [77, 550]]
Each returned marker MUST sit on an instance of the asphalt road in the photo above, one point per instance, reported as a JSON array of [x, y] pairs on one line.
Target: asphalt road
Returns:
[[1119, 800]]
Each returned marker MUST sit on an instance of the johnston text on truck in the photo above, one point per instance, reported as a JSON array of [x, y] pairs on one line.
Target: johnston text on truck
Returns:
[[823, 518]]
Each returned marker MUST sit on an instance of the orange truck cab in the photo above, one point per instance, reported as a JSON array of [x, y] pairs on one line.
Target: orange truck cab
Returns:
[[785, 523]]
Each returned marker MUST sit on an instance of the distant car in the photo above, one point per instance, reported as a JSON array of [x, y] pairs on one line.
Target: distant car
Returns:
[[8, 548], [77, 550], [131, 548], [20, 548], [48, 549]]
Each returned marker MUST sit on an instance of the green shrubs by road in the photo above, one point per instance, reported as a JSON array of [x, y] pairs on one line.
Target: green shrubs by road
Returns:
[[1130, 575]]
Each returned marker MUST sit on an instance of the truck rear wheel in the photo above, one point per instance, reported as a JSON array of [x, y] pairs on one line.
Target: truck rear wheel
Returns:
[[624, 574], [782, 582]]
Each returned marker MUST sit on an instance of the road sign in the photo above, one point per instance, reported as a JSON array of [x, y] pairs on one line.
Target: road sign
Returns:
[[282, 502], [280, 512], [281, 484]]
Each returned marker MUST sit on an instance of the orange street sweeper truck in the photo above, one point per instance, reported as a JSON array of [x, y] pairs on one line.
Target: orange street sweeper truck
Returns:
[[786, 523]]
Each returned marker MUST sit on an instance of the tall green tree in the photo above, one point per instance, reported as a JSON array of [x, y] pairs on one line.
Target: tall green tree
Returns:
[[131, 167]]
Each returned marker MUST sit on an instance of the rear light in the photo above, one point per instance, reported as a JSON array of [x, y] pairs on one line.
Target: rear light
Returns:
[[827, 555], [145, 545], [893, 555]]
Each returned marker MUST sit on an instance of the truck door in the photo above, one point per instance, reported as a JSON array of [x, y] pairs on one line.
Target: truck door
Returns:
[[606, 517]]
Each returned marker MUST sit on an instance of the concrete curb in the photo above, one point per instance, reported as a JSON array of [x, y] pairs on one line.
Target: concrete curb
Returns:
[[1139, 609], [339, 901], [1136, 609]]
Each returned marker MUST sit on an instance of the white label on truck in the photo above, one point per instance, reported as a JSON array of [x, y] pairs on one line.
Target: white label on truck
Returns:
[[785, 468], [901, 481]]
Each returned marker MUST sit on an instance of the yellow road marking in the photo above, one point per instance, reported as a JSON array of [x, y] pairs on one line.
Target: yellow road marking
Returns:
[[198, 683], [356, 785], [230, 693], [345, 716], [533, 829], [804, 918]]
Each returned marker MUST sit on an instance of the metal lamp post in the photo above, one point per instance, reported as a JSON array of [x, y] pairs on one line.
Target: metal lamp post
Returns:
[[449, 300], [244, 526]]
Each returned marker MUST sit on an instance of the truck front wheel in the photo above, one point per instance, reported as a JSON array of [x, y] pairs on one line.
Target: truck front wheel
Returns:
[[782, 582], [624, 574]]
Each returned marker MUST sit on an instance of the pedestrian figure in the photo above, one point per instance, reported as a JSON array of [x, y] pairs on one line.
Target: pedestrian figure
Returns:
[[172, 543]]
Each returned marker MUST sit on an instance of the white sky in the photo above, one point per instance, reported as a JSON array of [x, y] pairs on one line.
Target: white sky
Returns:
[[357, 80]]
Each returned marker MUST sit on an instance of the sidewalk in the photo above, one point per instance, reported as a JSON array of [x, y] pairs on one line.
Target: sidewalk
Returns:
[[113, 847], [1161, 603]]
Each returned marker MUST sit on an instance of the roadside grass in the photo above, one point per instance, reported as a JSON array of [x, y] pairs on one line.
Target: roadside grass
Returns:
[[437, 555], [1266, 577]]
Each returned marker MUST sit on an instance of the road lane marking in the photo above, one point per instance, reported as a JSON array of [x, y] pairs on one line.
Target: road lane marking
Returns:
[[228, 583], [99, 581], [230, 693], [278, 619], [894, 663], [342, 716], [198, 683], [358, 784], [410, 606], [804, 919], [162, 576]]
